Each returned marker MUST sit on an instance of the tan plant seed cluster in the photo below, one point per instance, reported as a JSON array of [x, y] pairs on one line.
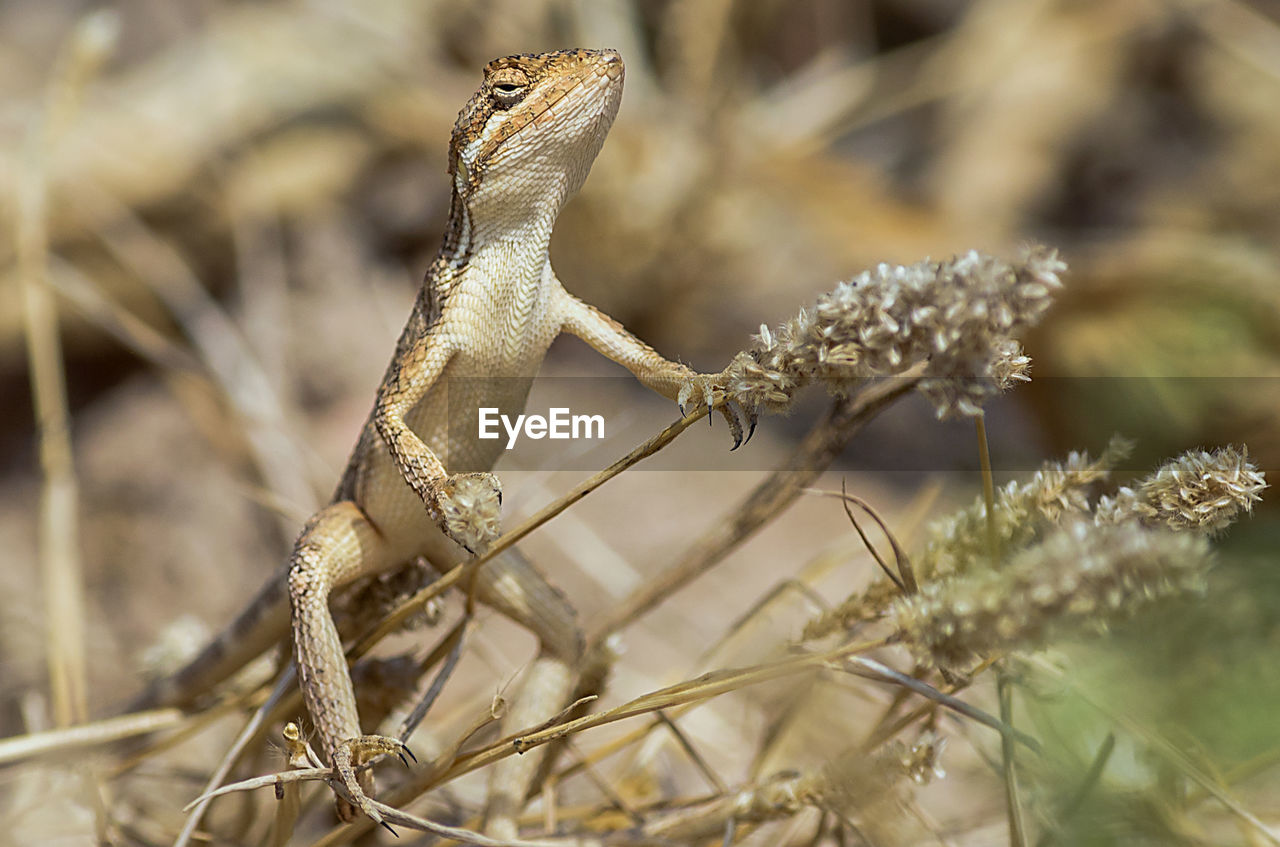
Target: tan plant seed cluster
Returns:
[[1200, 491], [957, 319], [1083, 576]]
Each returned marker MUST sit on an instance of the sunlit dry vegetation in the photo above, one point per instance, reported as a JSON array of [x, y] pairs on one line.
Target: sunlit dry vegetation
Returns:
[[911, 610]]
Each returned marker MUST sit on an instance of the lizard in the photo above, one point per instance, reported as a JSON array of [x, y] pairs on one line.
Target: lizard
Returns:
[[418, 483]]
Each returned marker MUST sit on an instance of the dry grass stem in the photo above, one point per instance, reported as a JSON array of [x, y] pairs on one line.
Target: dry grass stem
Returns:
[[61, 567], [218, 215]]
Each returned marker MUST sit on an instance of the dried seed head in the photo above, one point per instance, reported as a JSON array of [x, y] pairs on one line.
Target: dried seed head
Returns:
[[957, 543], [1199, 491], [960, 317], [1079, 577], [1022, 512]]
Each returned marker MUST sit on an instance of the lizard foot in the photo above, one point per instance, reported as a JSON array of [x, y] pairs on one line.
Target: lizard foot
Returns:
[[469, 509], [708, 390], [363, 749]]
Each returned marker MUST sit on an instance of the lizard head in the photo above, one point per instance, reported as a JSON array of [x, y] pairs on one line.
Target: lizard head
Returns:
[[526, 140]]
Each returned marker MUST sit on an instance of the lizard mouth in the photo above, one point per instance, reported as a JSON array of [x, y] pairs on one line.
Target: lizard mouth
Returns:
[[611, 64]]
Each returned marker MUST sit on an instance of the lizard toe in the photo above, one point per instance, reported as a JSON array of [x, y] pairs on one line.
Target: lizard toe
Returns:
[[355, 781], [735, 426]]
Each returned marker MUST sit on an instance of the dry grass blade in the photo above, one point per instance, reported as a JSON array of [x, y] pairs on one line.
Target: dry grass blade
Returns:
[[702, 688], [904, 576], [450, 649], [692, 691], [88, 46], [602, 785]]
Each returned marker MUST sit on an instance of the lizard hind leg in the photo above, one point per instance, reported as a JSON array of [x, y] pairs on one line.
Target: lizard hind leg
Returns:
[[544, 691], [512, 585], [338, 545]]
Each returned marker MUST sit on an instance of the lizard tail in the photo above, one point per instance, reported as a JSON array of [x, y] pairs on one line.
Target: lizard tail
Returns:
[[259, 627]]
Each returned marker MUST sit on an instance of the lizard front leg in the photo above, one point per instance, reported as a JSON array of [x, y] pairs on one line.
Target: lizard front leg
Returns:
[[672, 380], [466, 506]]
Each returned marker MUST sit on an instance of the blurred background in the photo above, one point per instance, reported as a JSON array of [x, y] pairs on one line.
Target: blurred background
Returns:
[[233, 203]]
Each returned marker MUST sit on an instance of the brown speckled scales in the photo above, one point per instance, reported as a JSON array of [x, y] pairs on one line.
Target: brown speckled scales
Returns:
[[490, 307]]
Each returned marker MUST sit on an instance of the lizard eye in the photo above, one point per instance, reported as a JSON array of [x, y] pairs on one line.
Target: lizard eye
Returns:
[[508, 93]]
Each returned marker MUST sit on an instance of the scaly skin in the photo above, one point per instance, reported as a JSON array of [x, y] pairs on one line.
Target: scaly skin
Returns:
[[489, 308]]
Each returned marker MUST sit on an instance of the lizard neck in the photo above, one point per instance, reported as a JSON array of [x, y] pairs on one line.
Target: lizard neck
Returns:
[[482, 223], [495, 272], [504, 250]]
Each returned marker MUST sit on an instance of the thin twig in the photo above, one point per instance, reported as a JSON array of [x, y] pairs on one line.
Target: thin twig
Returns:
[[819, 448], [872, 669], [233, 754], [692, 752], [602, 785]]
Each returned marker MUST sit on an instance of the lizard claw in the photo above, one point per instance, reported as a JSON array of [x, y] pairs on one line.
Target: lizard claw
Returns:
[[739, 415], [683, 398], [735, 426], [700, 389], [405, 751], [707, 391], [748, 417], [359, 750]]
